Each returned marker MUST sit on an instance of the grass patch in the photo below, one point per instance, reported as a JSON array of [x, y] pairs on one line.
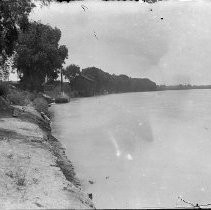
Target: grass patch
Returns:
[[17, 97], [40, 104]]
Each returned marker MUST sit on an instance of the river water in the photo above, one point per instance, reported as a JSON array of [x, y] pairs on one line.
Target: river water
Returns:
[[140, 149]]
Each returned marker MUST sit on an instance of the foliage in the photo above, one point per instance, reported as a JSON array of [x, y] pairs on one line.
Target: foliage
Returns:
[[102, 79], [23, 98], [41, 105], [105, 82], [17, 97], [4, 89], [71, 71], [95, 81], [13, 17], [39, 54], [5, 69]]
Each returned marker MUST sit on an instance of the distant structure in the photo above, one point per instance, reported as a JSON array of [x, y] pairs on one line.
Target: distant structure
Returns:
[[84, 85]]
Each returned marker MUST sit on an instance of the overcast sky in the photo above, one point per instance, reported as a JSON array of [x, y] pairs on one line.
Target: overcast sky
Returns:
[[134, 40]]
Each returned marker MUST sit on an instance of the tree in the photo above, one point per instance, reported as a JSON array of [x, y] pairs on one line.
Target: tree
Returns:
[[6, 68], [38, 55], [71, 71], [100, 77], [13, 17]]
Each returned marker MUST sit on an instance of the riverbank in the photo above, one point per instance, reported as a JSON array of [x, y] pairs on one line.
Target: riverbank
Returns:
[[35, 172]]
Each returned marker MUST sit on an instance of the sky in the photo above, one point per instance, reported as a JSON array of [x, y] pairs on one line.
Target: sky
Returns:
[[168, 42]]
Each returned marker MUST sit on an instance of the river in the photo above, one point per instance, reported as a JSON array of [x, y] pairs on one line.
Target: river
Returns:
[[140, 150]]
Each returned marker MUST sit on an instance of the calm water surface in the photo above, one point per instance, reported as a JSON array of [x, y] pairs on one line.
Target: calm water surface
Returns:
[[140, 149]]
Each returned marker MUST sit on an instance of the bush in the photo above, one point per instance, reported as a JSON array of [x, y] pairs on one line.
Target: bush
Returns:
[[41, 105], [18, 97], [4, 89], [31, 96], [4, 104]]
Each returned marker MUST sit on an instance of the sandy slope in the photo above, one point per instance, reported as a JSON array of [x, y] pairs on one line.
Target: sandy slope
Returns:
[[34, 170]]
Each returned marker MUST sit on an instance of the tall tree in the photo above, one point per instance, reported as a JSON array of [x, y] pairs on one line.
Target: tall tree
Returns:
[[13, 17], [71, 71], [38, 55]]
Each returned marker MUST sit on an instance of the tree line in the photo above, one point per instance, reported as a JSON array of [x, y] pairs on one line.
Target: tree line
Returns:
[[182, 87], [104, 82]]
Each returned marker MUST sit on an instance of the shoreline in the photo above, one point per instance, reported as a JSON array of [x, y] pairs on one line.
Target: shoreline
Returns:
[[34, 167]]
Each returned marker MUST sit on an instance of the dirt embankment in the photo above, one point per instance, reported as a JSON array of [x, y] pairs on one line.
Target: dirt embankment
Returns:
[[34, 170]]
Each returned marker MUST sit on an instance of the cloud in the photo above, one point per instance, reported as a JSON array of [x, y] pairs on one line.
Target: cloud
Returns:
[[187, 60]]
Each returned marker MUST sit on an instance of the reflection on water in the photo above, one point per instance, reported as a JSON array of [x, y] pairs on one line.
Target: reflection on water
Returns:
[[126, 133], [140, 149]]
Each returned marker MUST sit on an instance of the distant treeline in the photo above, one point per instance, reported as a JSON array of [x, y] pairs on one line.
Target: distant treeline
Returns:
[[182, 87], [148, 1], [94, 81], [117, 83]]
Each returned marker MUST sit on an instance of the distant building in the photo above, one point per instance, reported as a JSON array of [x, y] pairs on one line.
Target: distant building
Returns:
[[84, 85], [53, 88]]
